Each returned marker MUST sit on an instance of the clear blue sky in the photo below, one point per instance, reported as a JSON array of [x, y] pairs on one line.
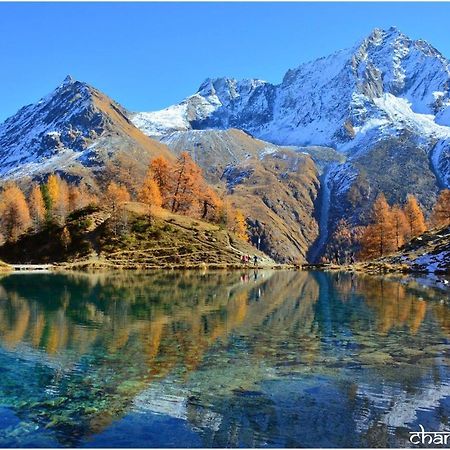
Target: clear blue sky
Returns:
[[150, 55]]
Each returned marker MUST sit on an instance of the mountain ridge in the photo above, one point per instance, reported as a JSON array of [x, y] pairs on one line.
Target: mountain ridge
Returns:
[[268, 111]]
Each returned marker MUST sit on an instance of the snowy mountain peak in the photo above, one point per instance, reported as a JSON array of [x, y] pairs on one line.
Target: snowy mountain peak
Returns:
[[68, 80], [379, 35], [331, 101], [67, 119]]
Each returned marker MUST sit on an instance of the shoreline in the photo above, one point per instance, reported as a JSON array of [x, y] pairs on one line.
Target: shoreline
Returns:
[[374, 268], [98, 265], [369, 267]]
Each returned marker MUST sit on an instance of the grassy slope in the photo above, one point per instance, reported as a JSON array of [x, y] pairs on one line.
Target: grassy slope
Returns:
[[167, 241]]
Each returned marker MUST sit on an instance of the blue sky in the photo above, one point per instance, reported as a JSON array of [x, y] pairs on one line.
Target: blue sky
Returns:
[[150, 55]]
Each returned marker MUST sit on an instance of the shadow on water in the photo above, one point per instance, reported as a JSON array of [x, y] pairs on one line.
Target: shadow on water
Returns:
[[286, 359]]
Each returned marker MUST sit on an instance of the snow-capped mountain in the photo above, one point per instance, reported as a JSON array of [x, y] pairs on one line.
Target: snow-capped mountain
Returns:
[[75, 126], [383, 104], [386, 78], [219, 103], [349, 100]]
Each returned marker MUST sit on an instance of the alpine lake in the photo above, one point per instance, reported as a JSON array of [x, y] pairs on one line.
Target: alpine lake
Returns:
[[222, 359]]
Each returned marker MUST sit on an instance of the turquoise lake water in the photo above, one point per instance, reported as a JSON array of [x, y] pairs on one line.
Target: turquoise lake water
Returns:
[[251, 359]]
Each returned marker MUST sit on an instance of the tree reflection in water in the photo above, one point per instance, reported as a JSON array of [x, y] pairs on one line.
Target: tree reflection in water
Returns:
[[241, 359]]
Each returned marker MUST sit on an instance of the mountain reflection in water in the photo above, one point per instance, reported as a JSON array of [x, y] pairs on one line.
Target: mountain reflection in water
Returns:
[[221, 359]]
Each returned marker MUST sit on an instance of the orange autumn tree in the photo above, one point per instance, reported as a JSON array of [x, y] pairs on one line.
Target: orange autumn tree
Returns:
[[14, 213], [162, 172], [240, 225], [80, 197], [125, 171], [210, 204], [150, 194], [233, 219], [183, 188], [343, 242], [378, 237], [440, 215], [58, 191], [116, 195], [400, 225], [37, 207], [414, 216], [187, 183]]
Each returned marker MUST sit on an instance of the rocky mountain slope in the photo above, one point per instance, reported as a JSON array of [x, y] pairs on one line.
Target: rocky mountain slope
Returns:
[[384, 83], [75, 129], [276, 187], [79, 132]]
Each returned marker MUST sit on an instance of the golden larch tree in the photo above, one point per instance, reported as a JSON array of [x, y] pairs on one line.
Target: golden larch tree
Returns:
[[162, 172], [342, 243], [116, 195], [62, 204], [210, 204], [14, 212], [414, 217], [240, 225], [187, 183], [378, 237], [74, 198], [80, 197], [53, 188], [236, 222], [150, 194], [400, 225], [58, 191], [440, 215], [37, 207]]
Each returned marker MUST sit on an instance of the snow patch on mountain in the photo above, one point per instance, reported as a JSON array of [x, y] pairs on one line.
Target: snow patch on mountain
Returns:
[[213, 94], [398, 111], [443, 117], [173, 118]]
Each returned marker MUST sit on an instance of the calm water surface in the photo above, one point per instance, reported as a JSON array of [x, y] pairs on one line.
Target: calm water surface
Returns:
[[267, 359]]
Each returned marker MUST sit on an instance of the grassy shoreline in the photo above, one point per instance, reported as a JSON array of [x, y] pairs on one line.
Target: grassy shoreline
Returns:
[[103, 264]]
